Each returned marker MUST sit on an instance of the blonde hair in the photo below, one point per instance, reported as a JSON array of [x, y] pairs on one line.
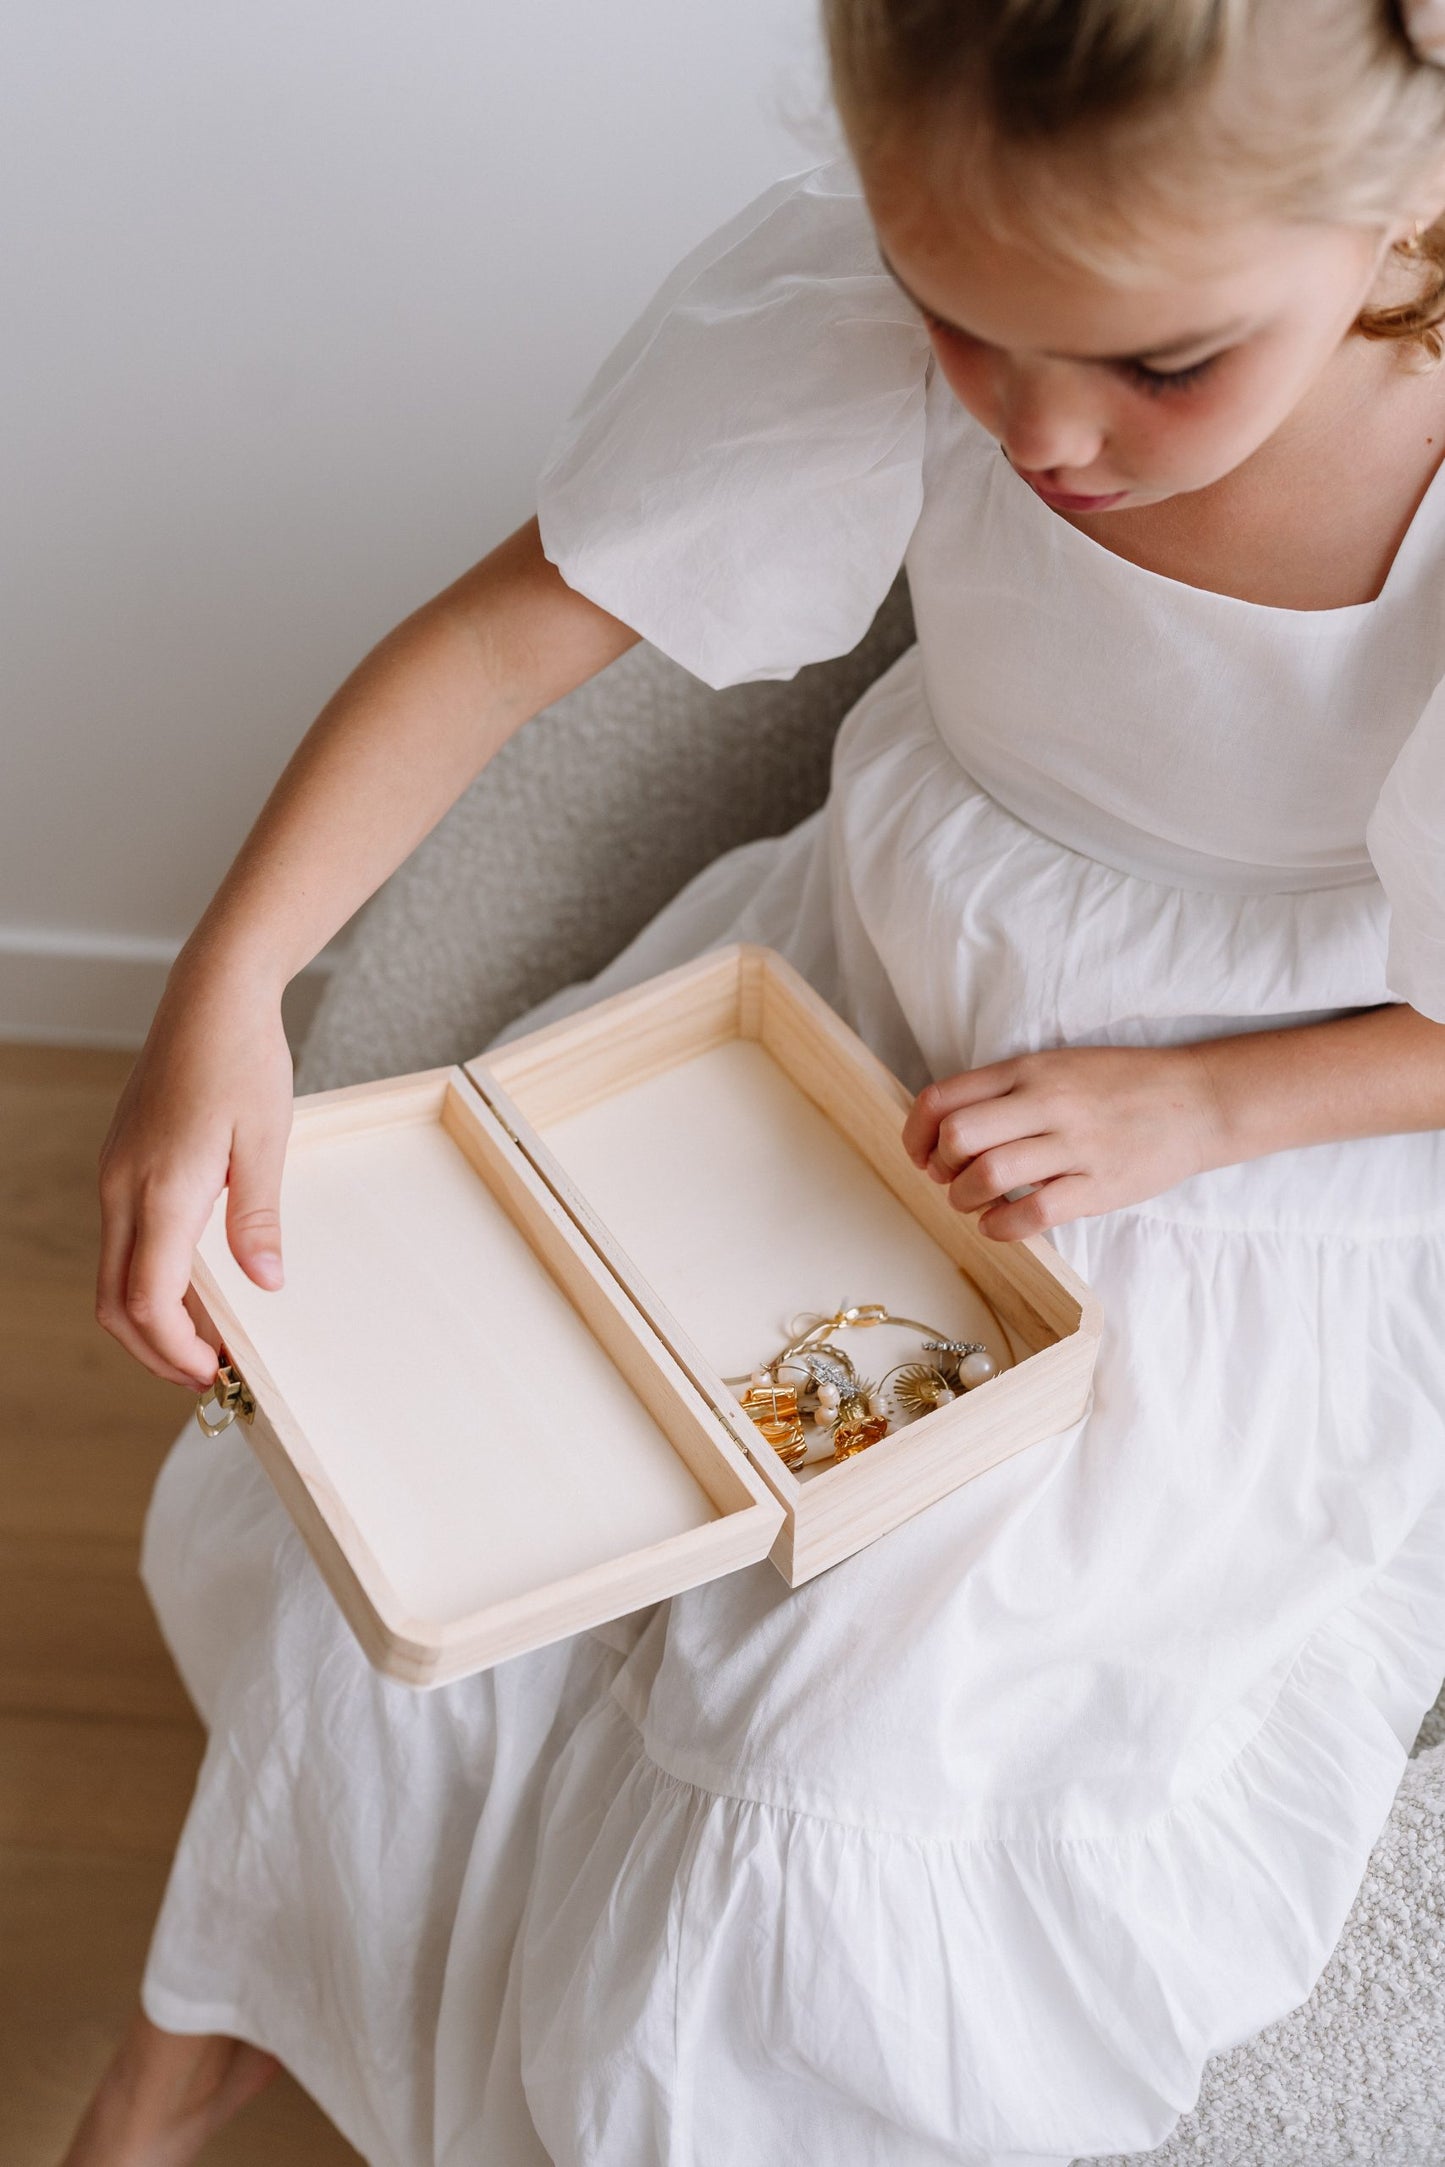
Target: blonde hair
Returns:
[[1301, 109]]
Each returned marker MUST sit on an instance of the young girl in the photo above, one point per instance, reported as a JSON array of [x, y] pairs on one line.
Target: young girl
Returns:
[[1117, 329]]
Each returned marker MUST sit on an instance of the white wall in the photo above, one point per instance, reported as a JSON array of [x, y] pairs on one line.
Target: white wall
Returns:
[[294, 296]]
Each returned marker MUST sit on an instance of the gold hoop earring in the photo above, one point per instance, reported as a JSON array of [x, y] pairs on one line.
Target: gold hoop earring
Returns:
[[1413, 241]]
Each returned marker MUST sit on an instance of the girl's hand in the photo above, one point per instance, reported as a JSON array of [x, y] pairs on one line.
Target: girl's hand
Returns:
[[208, 1102], [1094, 1127]]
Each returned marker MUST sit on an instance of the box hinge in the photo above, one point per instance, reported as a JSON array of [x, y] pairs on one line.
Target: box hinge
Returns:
[[741, 1446], [230, 1396]]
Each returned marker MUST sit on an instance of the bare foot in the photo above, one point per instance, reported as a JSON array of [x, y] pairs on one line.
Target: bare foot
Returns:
[[164, 2095]]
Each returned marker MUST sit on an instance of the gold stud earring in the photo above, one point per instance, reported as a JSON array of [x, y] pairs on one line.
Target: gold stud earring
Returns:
[[774, 1409]]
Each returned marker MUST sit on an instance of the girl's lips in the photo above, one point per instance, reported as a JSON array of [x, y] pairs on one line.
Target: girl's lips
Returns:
[[1063, 501]]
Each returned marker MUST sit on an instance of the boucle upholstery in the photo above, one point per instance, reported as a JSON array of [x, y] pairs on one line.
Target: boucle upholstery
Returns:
[[1357, 2077], [576, 834]]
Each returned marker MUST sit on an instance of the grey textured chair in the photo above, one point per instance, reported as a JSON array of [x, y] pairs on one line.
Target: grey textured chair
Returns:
[[576, 834]]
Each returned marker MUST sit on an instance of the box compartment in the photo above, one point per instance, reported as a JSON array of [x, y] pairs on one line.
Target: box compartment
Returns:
[[733, 1153]]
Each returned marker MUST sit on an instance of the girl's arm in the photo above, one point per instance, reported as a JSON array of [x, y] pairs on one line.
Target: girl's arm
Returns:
[[1103, 1126], [209, 1102], [1377, 1073]]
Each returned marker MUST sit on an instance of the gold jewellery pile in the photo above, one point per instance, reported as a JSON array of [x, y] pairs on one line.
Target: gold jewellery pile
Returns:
[[823, 1391]]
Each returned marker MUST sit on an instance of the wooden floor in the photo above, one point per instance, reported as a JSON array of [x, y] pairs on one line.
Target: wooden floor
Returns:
[[98, 1744]]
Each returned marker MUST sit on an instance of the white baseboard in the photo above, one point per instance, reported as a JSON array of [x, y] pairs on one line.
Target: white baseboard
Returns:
[[100, 989]]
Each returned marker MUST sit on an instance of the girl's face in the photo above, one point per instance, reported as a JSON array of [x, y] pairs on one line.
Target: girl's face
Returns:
[[1107, 395]]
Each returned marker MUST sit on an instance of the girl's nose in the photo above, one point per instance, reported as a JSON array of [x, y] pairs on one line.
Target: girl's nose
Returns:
[[1045, 422]]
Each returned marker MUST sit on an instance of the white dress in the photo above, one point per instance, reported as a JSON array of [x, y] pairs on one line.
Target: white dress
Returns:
[[974, 1849]]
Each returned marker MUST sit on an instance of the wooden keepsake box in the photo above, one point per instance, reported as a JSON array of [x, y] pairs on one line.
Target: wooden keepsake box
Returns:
[[491, 1391]]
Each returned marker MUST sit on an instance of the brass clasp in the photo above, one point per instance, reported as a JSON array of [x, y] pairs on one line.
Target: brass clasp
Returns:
[[232, 1397]]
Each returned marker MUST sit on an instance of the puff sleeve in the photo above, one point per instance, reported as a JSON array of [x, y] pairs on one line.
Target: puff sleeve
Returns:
[[1405, 837], [740, 480]]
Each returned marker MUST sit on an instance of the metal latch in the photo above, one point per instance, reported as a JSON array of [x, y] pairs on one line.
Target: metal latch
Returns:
[[232, 1397]]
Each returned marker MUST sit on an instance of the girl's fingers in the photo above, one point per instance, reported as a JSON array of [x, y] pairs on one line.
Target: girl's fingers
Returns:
[[134, 1345], [1068, 1196], [937, 1101], [989, 1177], [253, 1205], [116, 1242], [117, 1232], [987, 1126], [167, 1228], [117, 1237]]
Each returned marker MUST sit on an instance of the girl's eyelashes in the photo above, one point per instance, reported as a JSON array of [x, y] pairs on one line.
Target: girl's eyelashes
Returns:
[[1159, 381], [1156, 382]]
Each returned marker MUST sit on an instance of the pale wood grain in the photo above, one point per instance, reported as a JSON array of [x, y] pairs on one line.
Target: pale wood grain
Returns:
[[76, 1632], [98, 1744], [622, 1040], [118, 1787], [54, 1110], [76, 1927]]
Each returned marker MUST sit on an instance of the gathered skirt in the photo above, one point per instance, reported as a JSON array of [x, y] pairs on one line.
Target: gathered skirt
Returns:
[[974, 1849]]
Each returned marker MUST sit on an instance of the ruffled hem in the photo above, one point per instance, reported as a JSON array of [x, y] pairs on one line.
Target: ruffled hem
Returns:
[[346, 1891], [295, 2049], [751, 1979]]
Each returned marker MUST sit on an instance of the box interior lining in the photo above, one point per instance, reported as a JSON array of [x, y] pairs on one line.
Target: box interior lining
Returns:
[[426, 1353], [741, 1204]]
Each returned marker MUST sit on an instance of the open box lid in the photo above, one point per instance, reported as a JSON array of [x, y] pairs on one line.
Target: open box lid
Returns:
[[482, 1438]]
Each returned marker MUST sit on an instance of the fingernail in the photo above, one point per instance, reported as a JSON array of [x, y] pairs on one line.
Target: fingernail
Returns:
[[267, 1267]]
